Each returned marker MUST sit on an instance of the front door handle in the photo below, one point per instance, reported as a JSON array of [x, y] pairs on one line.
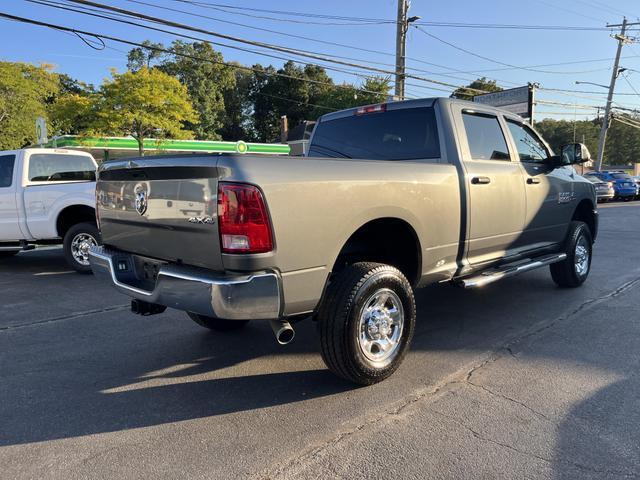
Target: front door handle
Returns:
[[533, 180], [480, 180]]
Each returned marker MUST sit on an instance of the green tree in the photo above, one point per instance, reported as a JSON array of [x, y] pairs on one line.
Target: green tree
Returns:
[[238, 107], [303, 93], [476, 87], [144, 57], [373, 90], [199, 67], [143, 104], [72, 114], [25, 91]]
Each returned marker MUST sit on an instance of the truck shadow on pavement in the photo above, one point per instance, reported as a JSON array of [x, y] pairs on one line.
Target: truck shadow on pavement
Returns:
[[115, 371]]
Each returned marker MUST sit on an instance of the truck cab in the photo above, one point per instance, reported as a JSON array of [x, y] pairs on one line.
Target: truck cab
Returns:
[[47, 196]]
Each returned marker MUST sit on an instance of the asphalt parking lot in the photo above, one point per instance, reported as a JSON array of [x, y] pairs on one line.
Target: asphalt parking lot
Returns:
[[516, 380]]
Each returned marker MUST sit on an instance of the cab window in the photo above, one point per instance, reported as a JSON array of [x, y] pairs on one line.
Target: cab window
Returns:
[[6, 170], [530, 147], [45, 167], [485, 137]]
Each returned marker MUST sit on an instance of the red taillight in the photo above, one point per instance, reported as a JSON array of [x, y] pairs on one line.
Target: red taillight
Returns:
[[243, 221], [372, 109]]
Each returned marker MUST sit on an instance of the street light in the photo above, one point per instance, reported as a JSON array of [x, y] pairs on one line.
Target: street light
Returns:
[[591, 83]]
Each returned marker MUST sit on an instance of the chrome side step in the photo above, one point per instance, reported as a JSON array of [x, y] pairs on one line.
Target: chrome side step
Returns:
[[509, 270]]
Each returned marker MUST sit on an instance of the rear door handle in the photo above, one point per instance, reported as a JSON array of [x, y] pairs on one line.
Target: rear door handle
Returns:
[[480, 180], [533, 180]]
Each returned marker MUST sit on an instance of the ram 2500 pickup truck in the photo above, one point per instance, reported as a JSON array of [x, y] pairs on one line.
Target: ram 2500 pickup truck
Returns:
[[391, 197], [48, 197]]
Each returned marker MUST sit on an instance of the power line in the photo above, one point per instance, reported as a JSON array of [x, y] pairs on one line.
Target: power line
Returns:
[[278, 48], [52, 3], [568, 10], [198, 15], [498, 62], [173, 52], [243, 10], [624, 75]]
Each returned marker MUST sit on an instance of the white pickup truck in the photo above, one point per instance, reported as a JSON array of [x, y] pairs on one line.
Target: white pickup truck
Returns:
[[48, 197]]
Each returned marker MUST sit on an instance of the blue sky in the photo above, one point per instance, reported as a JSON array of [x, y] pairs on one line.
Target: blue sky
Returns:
[[444, 63]]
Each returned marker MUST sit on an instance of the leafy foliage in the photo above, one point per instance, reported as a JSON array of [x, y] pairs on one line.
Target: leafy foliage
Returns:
[[476, 88], [300, 99], [143, 104], [199, 67], [623, 141], [144, 57], [25, 91]]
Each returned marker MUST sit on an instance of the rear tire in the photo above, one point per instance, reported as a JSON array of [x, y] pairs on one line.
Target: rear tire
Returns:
[[77, 241], [366, 322], [574, 270], [217, 324]]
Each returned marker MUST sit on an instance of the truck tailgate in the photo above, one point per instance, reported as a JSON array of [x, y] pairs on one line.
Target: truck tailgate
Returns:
[[162, 207]]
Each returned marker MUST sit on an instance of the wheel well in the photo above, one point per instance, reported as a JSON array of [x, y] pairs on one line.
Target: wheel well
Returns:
[[73, 215], [386, 240], [584, 213]]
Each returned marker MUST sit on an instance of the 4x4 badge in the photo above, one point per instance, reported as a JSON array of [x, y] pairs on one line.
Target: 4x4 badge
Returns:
[[202, 220]]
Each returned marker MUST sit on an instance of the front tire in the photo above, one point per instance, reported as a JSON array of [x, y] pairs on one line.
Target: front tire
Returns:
[[574, 270], [76, 244], [217, 324], [366, 322]]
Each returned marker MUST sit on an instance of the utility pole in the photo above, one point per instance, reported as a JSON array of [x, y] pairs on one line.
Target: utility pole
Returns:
[[622, 39], [401, 45]]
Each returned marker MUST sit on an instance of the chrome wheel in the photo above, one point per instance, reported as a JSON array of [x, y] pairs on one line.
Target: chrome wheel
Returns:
[[581, 256], [80, 245], [380, 327]]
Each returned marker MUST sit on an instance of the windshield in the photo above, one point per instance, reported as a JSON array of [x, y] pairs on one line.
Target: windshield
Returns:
[[404, 134]]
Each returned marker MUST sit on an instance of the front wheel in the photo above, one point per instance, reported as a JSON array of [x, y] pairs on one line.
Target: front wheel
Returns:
[[217, 324], [366, 322], [76, 244], [574, 270]]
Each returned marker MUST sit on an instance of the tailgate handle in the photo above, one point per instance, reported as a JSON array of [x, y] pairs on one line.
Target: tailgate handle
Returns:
[[480, 180], [533, 180]]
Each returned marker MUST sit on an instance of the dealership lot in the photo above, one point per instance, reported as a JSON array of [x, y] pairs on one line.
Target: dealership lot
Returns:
[[518, 379]]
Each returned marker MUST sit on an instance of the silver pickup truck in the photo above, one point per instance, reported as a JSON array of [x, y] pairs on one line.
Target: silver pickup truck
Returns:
[[391, 197]]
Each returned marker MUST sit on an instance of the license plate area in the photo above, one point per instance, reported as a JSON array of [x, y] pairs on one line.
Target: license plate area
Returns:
[[137, 271]]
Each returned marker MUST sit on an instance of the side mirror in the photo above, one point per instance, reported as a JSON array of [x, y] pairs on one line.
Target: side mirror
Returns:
[[574, 153]]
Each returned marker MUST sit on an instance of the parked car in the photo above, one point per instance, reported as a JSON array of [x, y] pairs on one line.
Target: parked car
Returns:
[[48, 197], [391, 197], [604, 190], [624, 186], [637, 180]]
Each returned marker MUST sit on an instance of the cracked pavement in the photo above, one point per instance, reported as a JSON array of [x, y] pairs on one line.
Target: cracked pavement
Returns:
[[517, 380]]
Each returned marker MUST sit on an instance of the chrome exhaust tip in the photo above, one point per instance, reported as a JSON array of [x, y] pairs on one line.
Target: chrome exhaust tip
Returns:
[[283, 331]]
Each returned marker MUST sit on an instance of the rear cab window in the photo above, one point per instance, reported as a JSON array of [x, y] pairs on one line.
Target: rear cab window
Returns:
[[399, 134], [49, 167], [7, 163], [485, 137]]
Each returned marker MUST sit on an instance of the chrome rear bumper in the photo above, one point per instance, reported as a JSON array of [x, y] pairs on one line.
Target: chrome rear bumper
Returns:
[[230, 297]]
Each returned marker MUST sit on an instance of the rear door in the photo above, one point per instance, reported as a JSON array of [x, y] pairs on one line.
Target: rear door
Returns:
[[549, 191], [162, 207], [496, 206], [9, 224]]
